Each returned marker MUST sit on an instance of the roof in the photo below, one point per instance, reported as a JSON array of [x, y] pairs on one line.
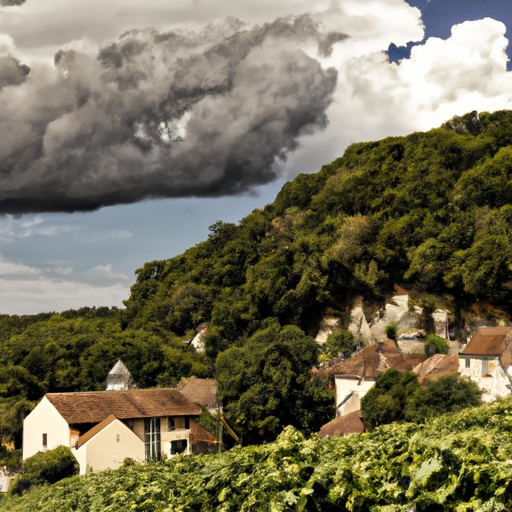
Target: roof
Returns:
[[93, 431], [200, 391], [437, 366], [119, 378], [95, 406], [373, 361], [349, 424], [488, 341]]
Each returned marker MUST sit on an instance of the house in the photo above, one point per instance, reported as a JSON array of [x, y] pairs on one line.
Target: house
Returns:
[[103, 428], [353, 377], [343, 426], [436, 366], [202, 392], [487, 360]]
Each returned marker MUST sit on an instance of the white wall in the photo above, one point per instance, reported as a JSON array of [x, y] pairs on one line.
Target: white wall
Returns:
[[109, 447], [346, 386], [494, 383], [44, 419]]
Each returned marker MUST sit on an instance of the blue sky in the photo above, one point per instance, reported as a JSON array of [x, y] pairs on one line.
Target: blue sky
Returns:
[[55, 261]]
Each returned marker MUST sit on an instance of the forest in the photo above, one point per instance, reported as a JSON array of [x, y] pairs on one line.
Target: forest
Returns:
[[431, 212]]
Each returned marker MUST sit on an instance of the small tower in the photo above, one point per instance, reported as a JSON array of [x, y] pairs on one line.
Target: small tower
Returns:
[[119, 378]]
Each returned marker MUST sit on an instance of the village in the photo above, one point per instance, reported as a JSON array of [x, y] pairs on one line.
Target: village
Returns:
[[103, 428]]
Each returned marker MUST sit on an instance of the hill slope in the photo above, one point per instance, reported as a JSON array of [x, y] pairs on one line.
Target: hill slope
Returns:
[[430, 211]]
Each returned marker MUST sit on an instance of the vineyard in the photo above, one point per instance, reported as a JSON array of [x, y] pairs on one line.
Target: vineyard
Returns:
[[452, 463]]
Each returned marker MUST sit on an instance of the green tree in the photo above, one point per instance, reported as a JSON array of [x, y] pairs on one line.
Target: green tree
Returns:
[[263, 385], [391, 331], [435, 345], [385, 402], [340, 341], [450, 393]]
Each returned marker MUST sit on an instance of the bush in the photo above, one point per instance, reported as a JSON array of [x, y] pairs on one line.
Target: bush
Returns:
[[46, 468], [391, 331], [435, 345]]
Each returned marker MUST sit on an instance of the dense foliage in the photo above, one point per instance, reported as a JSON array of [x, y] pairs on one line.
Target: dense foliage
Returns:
[[398, 396], [46, 468], [457, 463], [431, 211], [263, 385]]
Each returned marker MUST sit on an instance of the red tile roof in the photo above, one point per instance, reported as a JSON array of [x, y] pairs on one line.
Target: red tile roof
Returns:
[[349, 424], [436, 366], [488, 341], [95, 406], [200, 391], [373, 361]]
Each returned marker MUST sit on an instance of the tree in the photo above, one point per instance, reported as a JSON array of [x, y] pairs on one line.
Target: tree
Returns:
[[450, 393], [340, 341], [435, 345], [391, 331], [385, 402], [264, 386]]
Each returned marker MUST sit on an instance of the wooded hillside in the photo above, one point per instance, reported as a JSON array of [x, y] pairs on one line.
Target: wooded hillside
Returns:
[[431, 211]]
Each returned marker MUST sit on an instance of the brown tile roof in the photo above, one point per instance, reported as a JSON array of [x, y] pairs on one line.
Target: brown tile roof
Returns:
[[349, 424], [436, 366], [374, 360], [488, 341], [93, 431], [200, 391], [95, 406]]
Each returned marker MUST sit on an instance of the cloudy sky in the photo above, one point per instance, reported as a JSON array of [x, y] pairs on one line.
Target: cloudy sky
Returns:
[[128, 127]]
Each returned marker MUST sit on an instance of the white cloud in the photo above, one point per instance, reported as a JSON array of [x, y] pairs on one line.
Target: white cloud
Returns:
[[103, 272], [443, 78], [31, 225], [27, 290]]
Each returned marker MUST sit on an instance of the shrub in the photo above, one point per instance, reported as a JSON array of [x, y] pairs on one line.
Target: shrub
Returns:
[[435, 345], [46, 467]]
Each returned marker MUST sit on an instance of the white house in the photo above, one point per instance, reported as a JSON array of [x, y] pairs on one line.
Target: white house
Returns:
[[105, 427], [353, 377], [487, 360]]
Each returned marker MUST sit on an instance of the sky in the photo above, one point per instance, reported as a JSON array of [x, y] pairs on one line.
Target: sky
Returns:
[[129, 127]]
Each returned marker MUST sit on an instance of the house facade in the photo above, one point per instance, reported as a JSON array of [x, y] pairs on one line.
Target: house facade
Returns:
[[487, 360], [355, 376], [103, 428]]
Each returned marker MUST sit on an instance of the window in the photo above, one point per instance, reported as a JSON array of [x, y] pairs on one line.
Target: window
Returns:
[[45, 441], [468, 362], [187, 422], [485, 367], [178, 447], [118, 438], [171, 424], [152, 438]]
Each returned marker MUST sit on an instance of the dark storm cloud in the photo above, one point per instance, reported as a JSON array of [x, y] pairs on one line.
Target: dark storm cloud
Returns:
[[163, 115], [8, 3]]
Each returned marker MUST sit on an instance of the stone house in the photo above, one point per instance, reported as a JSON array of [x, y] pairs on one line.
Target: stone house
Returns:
[[103, 428]]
